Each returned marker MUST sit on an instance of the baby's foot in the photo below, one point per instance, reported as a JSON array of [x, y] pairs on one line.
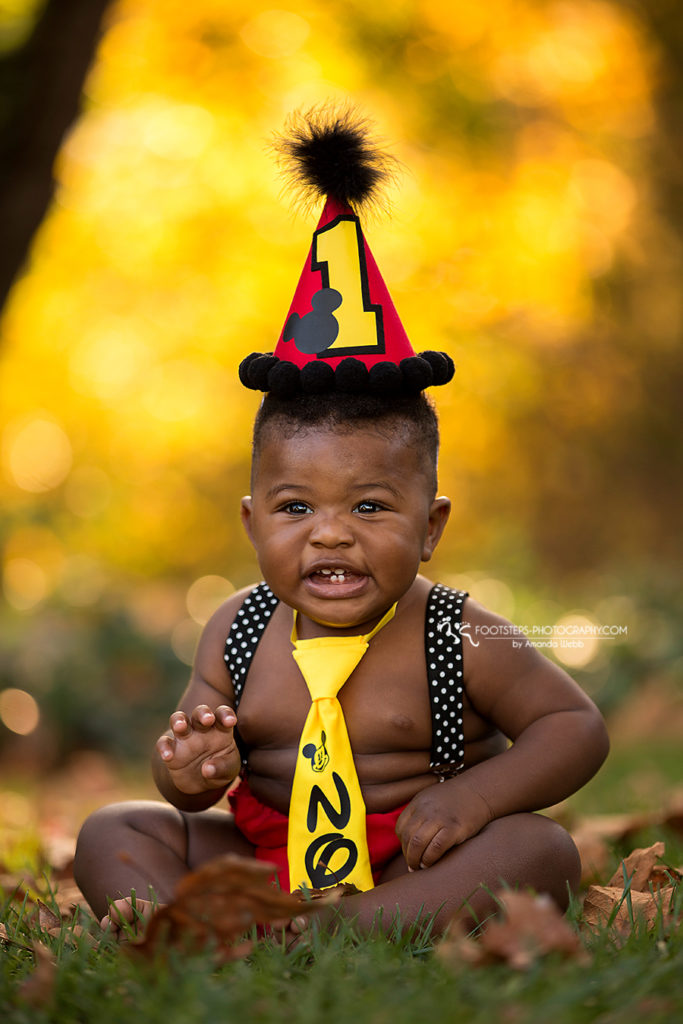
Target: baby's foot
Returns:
[[127, 918]]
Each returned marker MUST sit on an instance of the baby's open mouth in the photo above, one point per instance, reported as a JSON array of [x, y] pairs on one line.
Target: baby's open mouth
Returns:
[[334, 575]]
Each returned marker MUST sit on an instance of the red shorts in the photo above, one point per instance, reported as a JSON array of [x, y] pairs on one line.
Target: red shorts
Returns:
[[266, 828]]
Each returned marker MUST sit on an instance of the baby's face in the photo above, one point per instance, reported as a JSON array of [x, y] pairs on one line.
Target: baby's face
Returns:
[[340, 522]]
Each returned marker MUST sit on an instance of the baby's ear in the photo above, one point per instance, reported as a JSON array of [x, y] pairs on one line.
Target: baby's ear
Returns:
[[245, 516], [438, 517]]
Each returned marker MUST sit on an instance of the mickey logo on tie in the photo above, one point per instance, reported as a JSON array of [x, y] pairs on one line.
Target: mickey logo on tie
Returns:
[[318, 756]]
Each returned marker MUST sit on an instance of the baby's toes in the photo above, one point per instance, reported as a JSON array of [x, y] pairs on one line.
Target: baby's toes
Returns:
[[126, 919]]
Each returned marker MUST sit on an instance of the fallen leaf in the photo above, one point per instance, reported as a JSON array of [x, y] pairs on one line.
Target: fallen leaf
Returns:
[[611, 828], [533, 927], [39, 987], [615, 827], [603, 900], [217, 904], [48, 921], [637, 867], [341, 889], [663, 875]]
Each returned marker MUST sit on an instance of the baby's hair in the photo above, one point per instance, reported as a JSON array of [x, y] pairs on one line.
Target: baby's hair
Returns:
[[413, 418]]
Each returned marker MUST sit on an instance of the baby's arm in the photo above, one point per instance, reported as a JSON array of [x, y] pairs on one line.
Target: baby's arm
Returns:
[[197, 758], [559, 742]]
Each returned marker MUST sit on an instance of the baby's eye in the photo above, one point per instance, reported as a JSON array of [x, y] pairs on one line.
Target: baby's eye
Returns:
[[296, 508], [368, 507]]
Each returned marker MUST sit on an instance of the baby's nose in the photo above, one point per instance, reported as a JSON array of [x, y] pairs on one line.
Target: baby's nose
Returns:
[[330, 530]]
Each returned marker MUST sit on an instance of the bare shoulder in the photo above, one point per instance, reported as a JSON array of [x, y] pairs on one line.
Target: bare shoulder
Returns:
[[209, 664], [507, 679]]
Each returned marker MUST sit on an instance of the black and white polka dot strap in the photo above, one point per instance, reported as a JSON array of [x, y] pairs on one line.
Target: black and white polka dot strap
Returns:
[[245, 633], [443, 651]]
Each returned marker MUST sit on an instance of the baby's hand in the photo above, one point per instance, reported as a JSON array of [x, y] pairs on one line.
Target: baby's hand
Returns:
[[200, 752], [438, 818]]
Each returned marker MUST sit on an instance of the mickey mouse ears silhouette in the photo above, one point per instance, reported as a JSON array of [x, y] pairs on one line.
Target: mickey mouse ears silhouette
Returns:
[[342, 332]]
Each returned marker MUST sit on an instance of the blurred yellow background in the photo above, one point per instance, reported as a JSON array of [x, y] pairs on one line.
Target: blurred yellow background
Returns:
[[536, 236]]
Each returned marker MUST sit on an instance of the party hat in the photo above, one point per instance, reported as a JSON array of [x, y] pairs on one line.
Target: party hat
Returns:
[[342, 332]]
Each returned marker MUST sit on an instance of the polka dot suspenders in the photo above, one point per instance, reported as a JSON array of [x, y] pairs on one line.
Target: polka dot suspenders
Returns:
[[443, 651]]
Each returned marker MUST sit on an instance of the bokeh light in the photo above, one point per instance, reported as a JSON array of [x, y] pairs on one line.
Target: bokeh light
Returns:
[[184, 639], [36, 453], [205, 595], [19, 711], [577, 640]]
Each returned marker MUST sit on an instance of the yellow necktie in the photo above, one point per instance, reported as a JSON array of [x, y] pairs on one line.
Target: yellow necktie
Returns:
[[327, 841]]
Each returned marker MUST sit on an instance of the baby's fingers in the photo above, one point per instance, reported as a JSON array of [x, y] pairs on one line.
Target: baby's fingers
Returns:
[[180, 724], [219, 770], [423, 842], [202, 718], [165, 747], [225, 717]]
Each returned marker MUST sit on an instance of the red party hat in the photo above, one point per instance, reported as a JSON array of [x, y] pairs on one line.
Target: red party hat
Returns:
[[342, 331]]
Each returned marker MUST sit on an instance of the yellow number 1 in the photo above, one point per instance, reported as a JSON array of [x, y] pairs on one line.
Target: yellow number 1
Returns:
[[339, 254]]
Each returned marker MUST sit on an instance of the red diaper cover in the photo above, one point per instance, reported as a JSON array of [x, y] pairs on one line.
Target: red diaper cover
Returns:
[[266, 828]]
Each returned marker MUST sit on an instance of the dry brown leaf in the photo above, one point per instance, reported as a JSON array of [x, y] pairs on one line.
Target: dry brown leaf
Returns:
[[217, 904], [5, 938], [533, 927], [341, 889], [602, 900], [615, 827], [663, 875], [48, 921], [39, 987], [619, 827], [637, 867]]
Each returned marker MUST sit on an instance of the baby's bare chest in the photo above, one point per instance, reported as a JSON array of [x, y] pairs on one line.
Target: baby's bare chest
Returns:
[[386, 700], [386, 706]]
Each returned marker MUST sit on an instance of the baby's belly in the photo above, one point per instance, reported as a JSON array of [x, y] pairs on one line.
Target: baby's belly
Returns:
[[387, 780]]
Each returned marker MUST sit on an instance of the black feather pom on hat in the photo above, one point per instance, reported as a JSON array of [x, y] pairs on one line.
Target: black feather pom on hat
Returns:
[[342, 332]]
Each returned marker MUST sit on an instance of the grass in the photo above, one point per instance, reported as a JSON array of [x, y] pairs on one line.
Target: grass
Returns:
[[342, 979]]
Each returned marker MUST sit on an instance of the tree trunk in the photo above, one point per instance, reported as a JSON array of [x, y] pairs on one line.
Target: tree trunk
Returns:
[[40, 92]]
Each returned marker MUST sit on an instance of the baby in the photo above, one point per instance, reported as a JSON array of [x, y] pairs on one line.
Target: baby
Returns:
[[452, 756]]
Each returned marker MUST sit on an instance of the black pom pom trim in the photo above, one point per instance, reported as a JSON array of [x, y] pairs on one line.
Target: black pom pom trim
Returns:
[[351, 375], [265, 372], [316, 378], [385, 379], [442, 366], [258, 370], [244, 369], [284, 380], [417, 373]]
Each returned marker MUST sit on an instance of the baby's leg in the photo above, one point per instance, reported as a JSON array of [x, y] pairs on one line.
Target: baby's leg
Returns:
[[516, 851], [139, 844]]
